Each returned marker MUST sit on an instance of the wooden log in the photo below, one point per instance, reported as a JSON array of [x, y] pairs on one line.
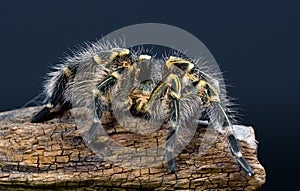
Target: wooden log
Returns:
[[53, 155]]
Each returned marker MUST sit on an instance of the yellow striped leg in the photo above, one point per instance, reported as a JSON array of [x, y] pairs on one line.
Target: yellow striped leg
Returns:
[[172, 82]]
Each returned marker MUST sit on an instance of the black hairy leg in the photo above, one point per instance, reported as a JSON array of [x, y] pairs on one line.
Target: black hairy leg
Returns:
[[100, 89], [173, 83], [56, 97], [236, 151], [210, 99], [234, 146]]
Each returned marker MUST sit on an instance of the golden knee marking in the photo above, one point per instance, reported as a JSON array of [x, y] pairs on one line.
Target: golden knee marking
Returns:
[[49, 105], [96, 92], [120, 51], [97, 59], [202, 85], [176, 60], [144, 57], [116, 75], [213, 89], [214, 99], [124, 52], [191, 77], [175, 95], [67, 72], [110, 55]]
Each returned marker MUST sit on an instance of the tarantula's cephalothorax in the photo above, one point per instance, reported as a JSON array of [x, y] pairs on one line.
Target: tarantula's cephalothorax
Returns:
[[117, 66]]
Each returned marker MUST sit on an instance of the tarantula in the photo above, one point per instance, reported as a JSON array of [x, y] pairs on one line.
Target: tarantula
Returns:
[[180, 83]]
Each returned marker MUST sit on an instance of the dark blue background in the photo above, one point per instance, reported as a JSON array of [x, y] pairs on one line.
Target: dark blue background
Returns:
[[256, 43]]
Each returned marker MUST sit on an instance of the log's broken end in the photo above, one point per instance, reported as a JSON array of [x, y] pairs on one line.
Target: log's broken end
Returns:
[[54, 155]]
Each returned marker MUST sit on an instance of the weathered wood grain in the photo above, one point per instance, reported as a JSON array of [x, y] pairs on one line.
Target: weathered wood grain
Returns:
[[53, 155]]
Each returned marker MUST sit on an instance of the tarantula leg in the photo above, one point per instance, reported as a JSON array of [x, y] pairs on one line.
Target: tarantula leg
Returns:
[[235, 150], [210, 97], [57, 95], [100, 89], [172, 81], [41, 116], [97, 116], [234, 146]]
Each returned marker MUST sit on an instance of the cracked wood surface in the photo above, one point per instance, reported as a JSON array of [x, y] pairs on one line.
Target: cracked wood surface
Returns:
[[53, 155]]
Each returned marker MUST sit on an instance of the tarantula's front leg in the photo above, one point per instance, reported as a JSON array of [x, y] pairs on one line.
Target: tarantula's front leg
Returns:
[[56, 97], [210, 97], [234, 146], [173, 83]]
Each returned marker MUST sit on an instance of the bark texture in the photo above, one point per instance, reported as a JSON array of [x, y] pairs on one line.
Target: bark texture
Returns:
[[53, 155]]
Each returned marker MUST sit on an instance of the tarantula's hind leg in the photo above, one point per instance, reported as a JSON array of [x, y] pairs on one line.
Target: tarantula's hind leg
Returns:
[[96, 124], [56, 97], [42, 115]]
